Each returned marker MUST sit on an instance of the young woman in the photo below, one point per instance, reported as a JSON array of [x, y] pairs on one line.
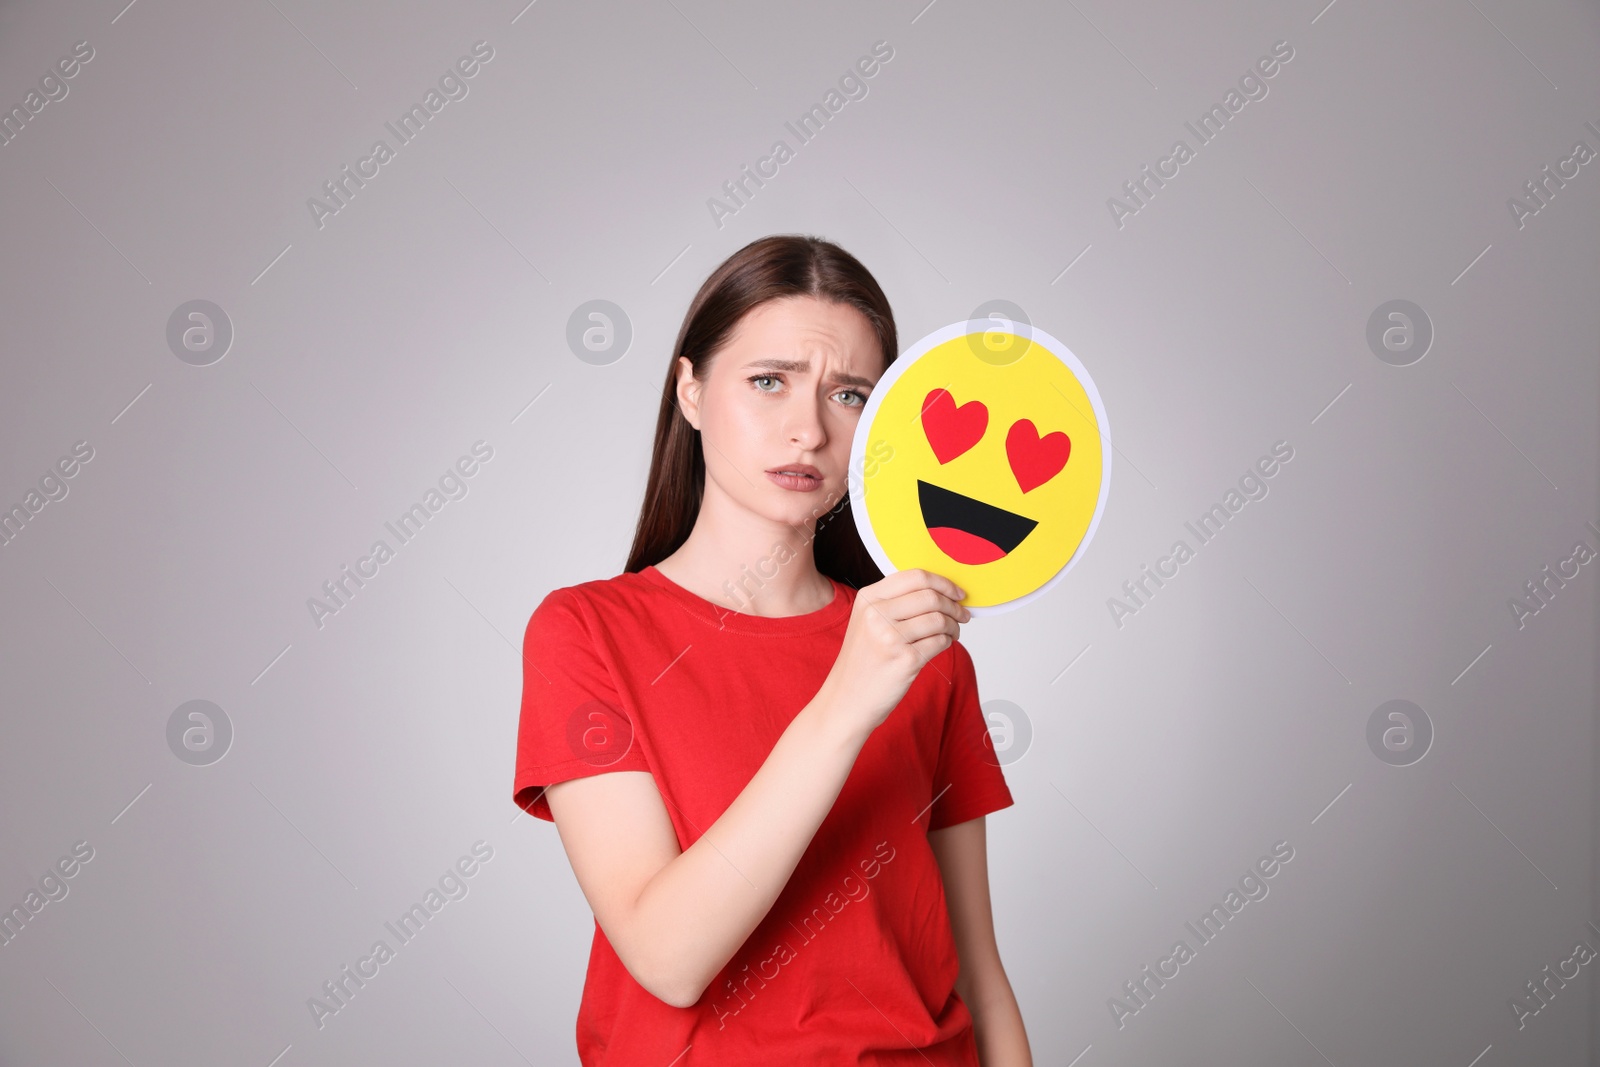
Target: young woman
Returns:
[[765, 760]]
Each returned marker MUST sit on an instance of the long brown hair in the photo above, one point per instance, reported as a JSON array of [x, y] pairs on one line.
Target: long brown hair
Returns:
[[768, 268]]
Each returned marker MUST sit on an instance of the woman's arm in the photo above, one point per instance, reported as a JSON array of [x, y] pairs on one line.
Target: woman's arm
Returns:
[[962, 852], [676, 918]]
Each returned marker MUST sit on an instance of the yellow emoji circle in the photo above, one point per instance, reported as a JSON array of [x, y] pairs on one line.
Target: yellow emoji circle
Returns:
[[984, 457]]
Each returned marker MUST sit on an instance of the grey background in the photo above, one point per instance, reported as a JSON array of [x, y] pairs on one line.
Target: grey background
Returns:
[[368, 355]]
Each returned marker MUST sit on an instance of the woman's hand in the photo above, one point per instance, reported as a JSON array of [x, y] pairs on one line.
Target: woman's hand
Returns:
[[896, 626]]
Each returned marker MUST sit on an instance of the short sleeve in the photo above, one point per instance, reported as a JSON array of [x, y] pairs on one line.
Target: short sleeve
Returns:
[[967, 780], [573, 722]]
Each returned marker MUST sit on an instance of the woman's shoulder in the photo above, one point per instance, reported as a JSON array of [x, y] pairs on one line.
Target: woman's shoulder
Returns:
[[576, 614], [627, 588]]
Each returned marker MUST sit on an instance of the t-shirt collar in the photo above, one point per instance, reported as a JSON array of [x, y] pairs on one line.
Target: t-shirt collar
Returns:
[[717, 615]]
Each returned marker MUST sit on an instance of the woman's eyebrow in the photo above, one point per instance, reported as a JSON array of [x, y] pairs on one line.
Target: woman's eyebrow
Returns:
[[801, 366]]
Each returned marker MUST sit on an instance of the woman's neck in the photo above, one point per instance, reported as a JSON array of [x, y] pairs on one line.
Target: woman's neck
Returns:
[[749, 564]]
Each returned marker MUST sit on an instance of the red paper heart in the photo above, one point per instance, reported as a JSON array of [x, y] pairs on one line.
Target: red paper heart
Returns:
[[952, 430], [1035, 460]]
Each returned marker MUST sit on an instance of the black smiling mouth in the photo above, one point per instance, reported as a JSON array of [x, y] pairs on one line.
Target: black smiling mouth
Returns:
[[968, 530]]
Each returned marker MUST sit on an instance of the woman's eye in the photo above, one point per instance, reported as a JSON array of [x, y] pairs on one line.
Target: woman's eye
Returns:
[[758, 379], [856, 402]]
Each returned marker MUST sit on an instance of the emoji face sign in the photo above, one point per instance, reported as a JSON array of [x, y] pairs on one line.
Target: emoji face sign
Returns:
[[984, 457]]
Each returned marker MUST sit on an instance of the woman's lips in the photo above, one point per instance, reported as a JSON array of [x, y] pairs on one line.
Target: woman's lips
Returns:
[[801, 478]]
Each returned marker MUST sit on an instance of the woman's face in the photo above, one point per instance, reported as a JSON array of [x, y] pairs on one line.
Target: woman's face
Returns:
[[784, 395]]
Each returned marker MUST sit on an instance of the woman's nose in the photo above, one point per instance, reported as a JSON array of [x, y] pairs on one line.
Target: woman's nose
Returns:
[[805, 424]]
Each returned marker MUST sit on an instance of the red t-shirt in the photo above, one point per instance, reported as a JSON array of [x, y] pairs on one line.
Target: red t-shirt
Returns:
[[855, 963]]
